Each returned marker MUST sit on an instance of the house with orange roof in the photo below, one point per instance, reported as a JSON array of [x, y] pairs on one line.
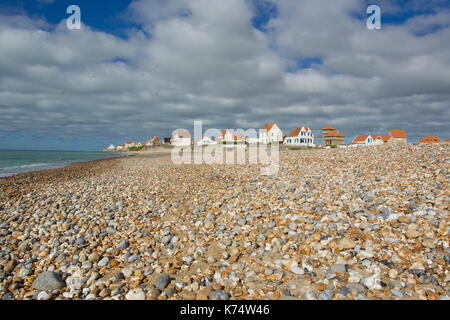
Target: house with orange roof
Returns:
[[362, 141], [398, 136], [227, 136], [300, 137], [129, 144], [120, 147], [332, 137], [271, 133], [380, 139], [153, 141], [430, 139]]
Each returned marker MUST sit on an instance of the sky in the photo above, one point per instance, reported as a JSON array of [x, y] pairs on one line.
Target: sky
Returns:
[[140, 68]]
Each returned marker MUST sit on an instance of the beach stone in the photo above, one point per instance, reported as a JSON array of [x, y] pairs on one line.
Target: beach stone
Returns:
[[326, 295], [204, 293], [44, 296], [346, 243], [397, 293], [340, 268], [135, 294], [297, 270], [219, 295], [163, 281], [123, 245], [48, 281], [103, 262]]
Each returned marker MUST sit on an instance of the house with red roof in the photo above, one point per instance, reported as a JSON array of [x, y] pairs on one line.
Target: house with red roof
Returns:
[[228, 136], [300, 137], [332, 137], [362, 141], [129, 144], [430, 139], [271, 133], [398, 136]]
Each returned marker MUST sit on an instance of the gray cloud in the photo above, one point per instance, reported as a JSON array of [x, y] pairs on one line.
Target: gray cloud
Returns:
[[204, 60]]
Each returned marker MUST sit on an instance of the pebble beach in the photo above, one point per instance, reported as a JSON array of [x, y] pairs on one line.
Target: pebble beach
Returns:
[[342, 224]]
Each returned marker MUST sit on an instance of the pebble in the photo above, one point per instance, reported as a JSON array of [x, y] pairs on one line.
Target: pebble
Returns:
[[103, 262], [163, 281], [44, 296], [135, 294], [219, 295], [48, 281]]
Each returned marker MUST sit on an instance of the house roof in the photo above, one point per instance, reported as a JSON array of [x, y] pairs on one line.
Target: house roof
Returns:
[[296, 131], [397, 133], [268, 127], [360, 139], [334, 134], [328, 128], [384, 137], [430, 139]]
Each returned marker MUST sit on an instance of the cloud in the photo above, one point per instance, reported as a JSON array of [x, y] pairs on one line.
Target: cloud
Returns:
[[205, 60]]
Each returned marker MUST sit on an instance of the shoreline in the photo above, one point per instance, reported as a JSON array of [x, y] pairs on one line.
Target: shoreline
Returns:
[[62, 166]]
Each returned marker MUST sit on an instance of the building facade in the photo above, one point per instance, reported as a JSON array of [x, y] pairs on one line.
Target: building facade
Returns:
[[300, 137]]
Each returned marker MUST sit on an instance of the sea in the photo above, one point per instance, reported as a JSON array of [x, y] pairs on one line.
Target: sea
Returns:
[[18, 161]]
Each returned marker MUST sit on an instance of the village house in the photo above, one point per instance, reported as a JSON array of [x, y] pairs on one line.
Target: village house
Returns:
[[181, 137], [363, 141], [430, 139], [138, 144], [300, 137], [111, 147], [129, 144], [380, 139], [332, 137], [271, 133], [398, 136], [120, 147], [152, 142], [227, 137]]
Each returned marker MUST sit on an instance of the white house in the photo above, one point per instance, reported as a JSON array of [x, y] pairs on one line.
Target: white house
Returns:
[[300, 137], [111, 147], [363, 141], [129, 144], [120, 147], [206, 141], [271, 133], [181, 137]]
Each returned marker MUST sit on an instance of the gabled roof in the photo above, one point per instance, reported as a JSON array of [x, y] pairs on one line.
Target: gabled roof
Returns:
[[296, 131], [397, 133], [360, 138], [328, 128], [268, 127], [384, 137], [334, 134]]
